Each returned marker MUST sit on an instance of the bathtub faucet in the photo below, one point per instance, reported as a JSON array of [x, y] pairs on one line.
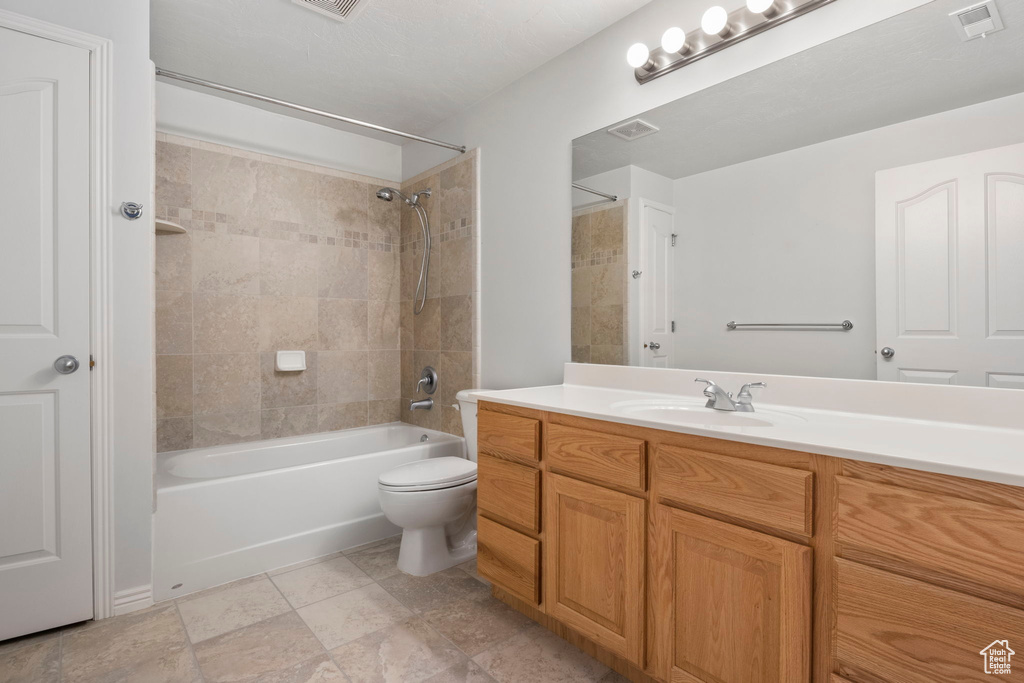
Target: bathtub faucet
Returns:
[[422, 404]]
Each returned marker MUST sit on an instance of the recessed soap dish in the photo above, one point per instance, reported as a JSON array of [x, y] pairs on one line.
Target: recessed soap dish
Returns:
[[290, 361]]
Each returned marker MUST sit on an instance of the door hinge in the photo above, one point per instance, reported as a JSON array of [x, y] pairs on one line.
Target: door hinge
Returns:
[[673, 325], [92, 363], [674, 236]]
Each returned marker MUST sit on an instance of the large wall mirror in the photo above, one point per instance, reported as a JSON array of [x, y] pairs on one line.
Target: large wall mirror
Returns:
[[853, 211]]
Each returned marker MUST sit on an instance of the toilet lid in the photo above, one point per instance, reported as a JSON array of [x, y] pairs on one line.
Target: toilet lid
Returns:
[[432, 473]]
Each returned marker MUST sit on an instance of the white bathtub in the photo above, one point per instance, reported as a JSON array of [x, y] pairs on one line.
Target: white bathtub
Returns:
[[228, 512]]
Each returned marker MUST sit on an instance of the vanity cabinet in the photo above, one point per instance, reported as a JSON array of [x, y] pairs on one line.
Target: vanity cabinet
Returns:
[[687, 559]]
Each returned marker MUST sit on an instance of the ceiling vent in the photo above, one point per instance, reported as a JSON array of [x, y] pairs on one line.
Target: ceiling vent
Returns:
[[342, 10], [977, 21], [633, 130]]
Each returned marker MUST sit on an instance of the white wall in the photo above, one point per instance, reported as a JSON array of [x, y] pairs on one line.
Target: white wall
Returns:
[[203, 116], [525, 132], [791, 238], [127, 24]]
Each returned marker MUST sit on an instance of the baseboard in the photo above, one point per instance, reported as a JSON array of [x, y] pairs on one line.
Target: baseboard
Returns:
[[133, 599]]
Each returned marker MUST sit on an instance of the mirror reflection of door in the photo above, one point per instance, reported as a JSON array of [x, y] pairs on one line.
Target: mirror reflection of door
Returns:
[[657, 265], [950, 270]]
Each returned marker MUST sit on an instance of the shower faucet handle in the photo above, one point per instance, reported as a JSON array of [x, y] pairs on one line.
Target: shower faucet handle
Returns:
[[428, 380]]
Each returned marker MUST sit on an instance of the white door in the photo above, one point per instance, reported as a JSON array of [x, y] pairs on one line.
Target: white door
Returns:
[[656, 270], [950, 270], [45, 473]]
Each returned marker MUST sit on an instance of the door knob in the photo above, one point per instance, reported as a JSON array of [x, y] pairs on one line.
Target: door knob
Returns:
[[888, 352], [66, 365], [654, 345]]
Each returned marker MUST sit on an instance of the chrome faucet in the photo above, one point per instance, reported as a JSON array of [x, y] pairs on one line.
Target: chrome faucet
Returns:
[[427, 383], [422, 404], [720, 399]]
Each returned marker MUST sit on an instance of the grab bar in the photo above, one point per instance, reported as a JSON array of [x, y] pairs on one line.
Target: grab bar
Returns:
[[844, 326]]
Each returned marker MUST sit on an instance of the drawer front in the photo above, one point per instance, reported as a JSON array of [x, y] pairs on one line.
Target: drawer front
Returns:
[[978, 542], [509, 559], [508, 435], [617, 460], [899, 629], [779, 497], [509, 491]]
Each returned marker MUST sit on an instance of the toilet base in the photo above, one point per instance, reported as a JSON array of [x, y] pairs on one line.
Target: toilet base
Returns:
[[426, 551]]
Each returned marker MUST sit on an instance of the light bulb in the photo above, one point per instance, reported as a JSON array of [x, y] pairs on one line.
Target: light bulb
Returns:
[[638, 55], [760, 6], [673, 40], [715, 21]]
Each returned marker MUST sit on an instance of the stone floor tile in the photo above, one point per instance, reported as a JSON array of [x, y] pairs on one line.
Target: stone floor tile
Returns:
[[475, 624], [351, 615], [37, 661], [212, 612], [538, 655], [320, 581], [379, 561], [465, 672], [265, 647], [426, 593], [407, 652], [316, 670]]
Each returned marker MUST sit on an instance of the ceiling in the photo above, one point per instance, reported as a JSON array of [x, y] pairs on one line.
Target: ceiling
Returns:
[[405, 64], [906, 67]]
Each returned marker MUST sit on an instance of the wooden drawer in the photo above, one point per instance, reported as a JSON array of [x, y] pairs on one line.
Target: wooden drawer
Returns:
[[613, 459], [981, 543], [899, 629], [509, 491], [509, 559], [508, 435], [779, 497]]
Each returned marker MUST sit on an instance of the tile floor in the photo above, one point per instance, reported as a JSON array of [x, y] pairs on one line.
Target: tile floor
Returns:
[[346, 617]]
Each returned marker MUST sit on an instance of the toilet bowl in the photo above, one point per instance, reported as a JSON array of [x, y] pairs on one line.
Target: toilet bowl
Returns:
[[434, 502]]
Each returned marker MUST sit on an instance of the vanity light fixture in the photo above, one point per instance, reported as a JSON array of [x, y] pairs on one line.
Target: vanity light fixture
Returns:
[[720, 28]]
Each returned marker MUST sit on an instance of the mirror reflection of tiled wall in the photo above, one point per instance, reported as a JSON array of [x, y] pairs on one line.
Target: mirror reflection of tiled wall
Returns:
[[599, 284]]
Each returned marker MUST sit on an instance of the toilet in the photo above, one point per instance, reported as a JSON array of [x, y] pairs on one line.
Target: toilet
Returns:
[[434, 501]]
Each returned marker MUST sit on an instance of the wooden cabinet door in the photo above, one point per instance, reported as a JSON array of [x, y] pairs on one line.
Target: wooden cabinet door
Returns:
[[594, 563], [729, 605]]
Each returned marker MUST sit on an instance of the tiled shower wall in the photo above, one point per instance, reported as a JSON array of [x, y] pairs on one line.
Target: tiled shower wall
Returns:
[[444, 335], [278, 255], [599, 274]]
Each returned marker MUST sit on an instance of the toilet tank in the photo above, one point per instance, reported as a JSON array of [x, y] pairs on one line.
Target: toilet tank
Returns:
[[467, 407]]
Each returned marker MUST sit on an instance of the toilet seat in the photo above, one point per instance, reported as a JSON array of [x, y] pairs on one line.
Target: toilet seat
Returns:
[[429, 475]]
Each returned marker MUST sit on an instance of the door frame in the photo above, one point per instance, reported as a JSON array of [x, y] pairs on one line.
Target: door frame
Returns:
[[636, 340], [100, 290]]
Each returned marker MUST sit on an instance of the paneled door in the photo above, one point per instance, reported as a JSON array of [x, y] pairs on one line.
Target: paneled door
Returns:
[[950, 270], [594, 563], [45, 473], [730, 605], [657, 266]]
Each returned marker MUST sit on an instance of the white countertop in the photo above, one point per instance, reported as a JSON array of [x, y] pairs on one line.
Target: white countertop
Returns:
[[976, 451]]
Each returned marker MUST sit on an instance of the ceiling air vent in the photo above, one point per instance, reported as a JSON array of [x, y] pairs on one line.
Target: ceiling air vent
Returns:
[[342, 10], [977, 21], [633, 130]]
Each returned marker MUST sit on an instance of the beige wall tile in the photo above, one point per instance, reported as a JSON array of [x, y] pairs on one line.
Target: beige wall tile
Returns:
[[457, 323], [384, 380], [264, 647], [606, 230], [385, 275], [226, 383], [287, 323], [225, 428], [411, 258], [341, 205], [451, 421], [606, 354], [427, 326], [174, 386], [410, 223], [288, 268], [342, 324], [407, 326], [286, 389], [333, 417], [224, 263], [384, 411], [173, 322], [174, 262], [455, 373], [342, 376], [458, 259], [342, 272], [279, 422], [581, 354], [458, 192], [581, 236], [383, 218], [224, 183], [608, 284], [606, 325], [581, 286], [225, 323], [287, 194], [383, 325], [410, 373], [173, 434], [173, 175], [581, 325]]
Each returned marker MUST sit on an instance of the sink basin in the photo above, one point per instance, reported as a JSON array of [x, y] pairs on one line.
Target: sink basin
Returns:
[[688, 412]]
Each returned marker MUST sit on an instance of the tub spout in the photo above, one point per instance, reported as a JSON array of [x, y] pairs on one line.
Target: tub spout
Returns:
[[423, 404]]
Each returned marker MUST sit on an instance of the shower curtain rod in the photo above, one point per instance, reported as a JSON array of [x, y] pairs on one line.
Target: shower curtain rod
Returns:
[[609, 197], [308, 110]]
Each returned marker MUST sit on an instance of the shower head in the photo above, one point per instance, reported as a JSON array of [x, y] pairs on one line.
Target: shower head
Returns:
[[389, 193]]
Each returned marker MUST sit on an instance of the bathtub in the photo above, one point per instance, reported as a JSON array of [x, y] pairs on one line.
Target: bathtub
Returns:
[[228, 512]]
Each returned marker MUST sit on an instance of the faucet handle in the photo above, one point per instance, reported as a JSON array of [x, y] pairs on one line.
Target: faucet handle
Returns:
[[707, 391], [745, 395]]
